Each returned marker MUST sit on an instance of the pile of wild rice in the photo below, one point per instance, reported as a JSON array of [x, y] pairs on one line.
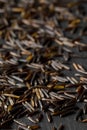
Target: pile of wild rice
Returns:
[[39, 40]]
